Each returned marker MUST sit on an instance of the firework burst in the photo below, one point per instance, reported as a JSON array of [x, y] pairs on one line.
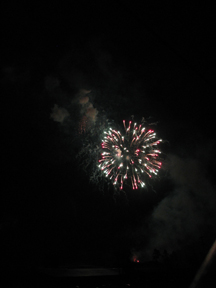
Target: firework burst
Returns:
[[130, 157]]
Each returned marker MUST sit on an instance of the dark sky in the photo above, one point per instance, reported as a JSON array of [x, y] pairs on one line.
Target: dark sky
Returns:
[[153, 60]]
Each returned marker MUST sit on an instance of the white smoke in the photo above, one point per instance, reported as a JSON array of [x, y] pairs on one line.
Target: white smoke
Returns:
[[179, 218]]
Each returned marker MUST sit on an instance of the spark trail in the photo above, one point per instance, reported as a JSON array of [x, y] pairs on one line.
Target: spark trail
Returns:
[[130, 157]]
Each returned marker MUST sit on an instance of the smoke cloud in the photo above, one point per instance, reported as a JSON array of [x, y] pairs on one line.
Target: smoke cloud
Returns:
[[182, 217], [59, 114], [87, 109], [88, 113]]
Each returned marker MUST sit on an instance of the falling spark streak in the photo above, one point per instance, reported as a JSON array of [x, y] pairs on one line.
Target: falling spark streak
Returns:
[[123, 157]]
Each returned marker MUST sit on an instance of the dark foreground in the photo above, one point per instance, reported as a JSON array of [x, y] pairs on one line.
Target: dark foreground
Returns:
[[101, 278]]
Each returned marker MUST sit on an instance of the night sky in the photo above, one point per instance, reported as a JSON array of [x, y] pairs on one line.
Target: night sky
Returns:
[[155, 60]]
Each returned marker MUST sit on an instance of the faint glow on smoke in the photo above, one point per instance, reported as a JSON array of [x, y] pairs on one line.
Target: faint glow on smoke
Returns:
[[59, 114], [91, 113], [88, 112], [82, 124], [84, 100]]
